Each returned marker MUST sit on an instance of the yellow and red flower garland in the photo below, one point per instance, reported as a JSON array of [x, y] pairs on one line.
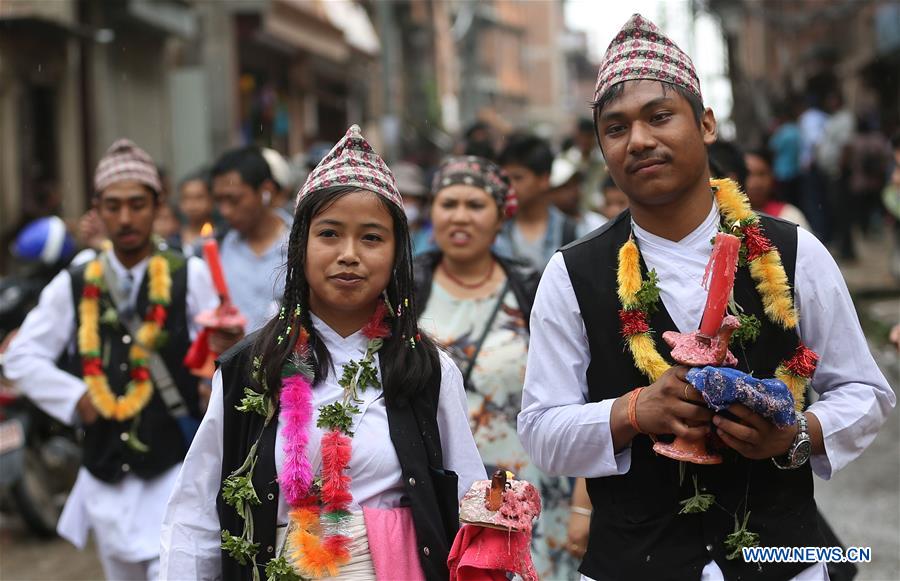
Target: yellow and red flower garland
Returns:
[[140, 388], [766, 269]]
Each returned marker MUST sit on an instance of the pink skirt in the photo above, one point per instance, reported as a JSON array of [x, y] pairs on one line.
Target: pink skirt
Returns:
[[393, 544]]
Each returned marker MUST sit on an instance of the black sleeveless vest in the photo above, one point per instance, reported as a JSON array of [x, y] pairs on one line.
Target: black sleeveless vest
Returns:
[[106, 454], [430, 491], [636, 531]]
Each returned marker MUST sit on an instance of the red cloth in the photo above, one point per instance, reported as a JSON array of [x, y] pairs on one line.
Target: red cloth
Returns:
[[773, 208], [486, 554]]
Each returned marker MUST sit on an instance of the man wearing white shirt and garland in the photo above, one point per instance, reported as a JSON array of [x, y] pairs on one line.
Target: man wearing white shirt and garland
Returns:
[[599, 385], [125, 319]]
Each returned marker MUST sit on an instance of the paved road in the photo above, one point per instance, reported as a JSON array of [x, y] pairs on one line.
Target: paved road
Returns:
[[24, 557], [862, 502]]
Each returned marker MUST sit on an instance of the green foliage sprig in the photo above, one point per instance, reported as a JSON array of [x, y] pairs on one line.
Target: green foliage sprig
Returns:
[[279, 569], [648, 295], [697, 503], [337, 416], [740, 538], [253, 402]]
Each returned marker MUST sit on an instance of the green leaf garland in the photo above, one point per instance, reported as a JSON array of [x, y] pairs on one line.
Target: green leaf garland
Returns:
[[253, 402], [337, 416], [279, 569], [239, 548]]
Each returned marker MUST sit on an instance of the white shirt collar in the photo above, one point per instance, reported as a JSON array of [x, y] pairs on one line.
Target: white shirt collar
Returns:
[[136, 271], [350, 344], [698, 240]]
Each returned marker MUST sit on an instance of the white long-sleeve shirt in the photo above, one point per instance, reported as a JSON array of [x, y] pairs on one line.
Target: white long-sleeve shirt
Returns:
[[124, 516], [566, 435], [191, 535]]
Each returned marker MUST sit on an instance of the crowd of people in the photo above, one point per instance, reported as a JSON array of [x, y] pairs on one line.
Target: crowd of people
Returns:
[[833, 164], [411, 330]]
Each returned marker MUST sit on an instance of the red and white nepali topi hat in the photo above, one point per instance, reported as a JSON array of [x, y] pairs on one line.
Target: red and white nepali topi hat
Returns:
[[125, 161], [642, 51], [353, 162]]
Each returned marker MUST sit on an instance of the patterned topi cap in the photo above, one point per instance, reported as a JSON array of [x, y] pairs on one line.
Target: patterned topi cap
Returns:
[[125, 161], [481, 173], [642, 51], [353, 162]]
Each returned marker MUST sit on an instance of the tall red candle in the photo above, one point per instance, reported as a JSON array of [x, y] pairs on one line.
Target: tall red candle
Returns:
[[720, 275], [211, 252]]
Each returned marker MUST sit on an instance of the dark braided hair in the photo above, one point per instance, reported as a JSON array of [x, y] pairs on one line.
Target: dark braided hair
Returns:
[[405, 369]]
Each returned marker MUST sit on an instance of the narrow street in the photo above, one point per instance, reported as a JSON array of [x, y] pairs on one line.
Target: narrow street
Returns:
[[862, 502]]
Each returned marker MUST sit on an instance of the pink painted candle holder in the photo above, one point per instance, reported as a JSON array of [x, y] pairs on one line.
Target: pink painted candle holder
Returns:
[[697, 350], [225, 316], [200, 359]]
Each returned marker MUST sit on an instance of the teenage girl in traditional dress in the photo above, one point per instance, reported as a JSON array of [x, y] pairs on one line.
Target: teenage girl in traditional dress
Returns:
[[335, 435]]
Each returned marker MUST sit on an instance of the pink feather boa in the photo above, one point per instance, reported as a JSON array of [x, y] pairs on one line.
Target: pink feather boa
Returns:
[[296, 412]]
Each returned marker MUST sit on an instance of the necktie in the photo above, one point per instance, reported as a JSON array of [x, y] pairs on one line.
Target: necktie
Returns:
[[127, 285]]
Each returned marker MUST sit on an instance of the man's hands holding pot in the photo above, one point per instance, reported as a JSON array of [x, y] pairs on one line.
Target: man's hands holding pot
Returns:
[[672, 406]]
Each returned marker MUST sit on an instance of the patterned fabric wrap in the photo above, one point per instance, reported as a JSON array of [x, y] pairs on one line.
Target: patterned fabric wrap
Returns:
[[723, 386], [125, 161], [353, 162], [476, 171], [642, 51]]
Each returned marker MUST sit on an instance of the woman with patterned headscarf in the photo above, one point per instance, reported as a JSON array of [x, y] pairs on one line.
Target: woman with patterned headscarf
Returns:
[[476, 304]]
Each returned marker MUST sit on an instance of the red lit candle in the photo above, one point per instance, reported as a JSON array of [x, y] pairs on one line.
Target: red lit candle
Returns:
[[720, 276], [211, 252]]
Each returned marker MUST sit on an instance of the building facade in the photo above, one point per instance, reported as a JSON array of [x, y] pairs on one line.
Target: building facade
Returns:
[[800, 50], [185, 79]]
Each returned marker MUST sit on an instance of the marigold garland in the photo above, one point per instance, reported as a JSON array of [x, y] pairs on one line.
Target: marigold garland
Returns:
[[646, 357], [766, 269], [763, 258], [633, 322], [140, 388], [772, 284], [629, 273]]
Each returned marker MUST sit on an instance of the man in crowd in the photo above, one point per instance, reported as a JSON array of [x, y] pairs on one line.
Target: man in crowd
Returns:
[[584, 413], [195, 204], [254, 250], [566, 193], [122, 320], [614, 199], [282, 180], [813, 192], [587, 157], [832, 159], [785, 147], [411, 183], [538, 228]]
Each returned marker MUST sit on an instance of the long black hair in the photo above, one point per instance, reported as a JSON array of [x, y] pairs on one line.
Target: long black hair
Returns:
[[407, 358]]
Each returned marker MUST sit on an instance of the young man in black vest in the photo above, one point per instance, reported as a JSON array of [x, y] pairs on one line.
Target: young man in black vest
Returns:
[[135, 401], [582, 415]]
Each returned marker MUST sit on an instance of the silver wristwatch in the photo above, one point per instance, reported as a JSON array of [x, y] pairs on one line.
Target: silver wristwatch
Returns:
[[798, 453]]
